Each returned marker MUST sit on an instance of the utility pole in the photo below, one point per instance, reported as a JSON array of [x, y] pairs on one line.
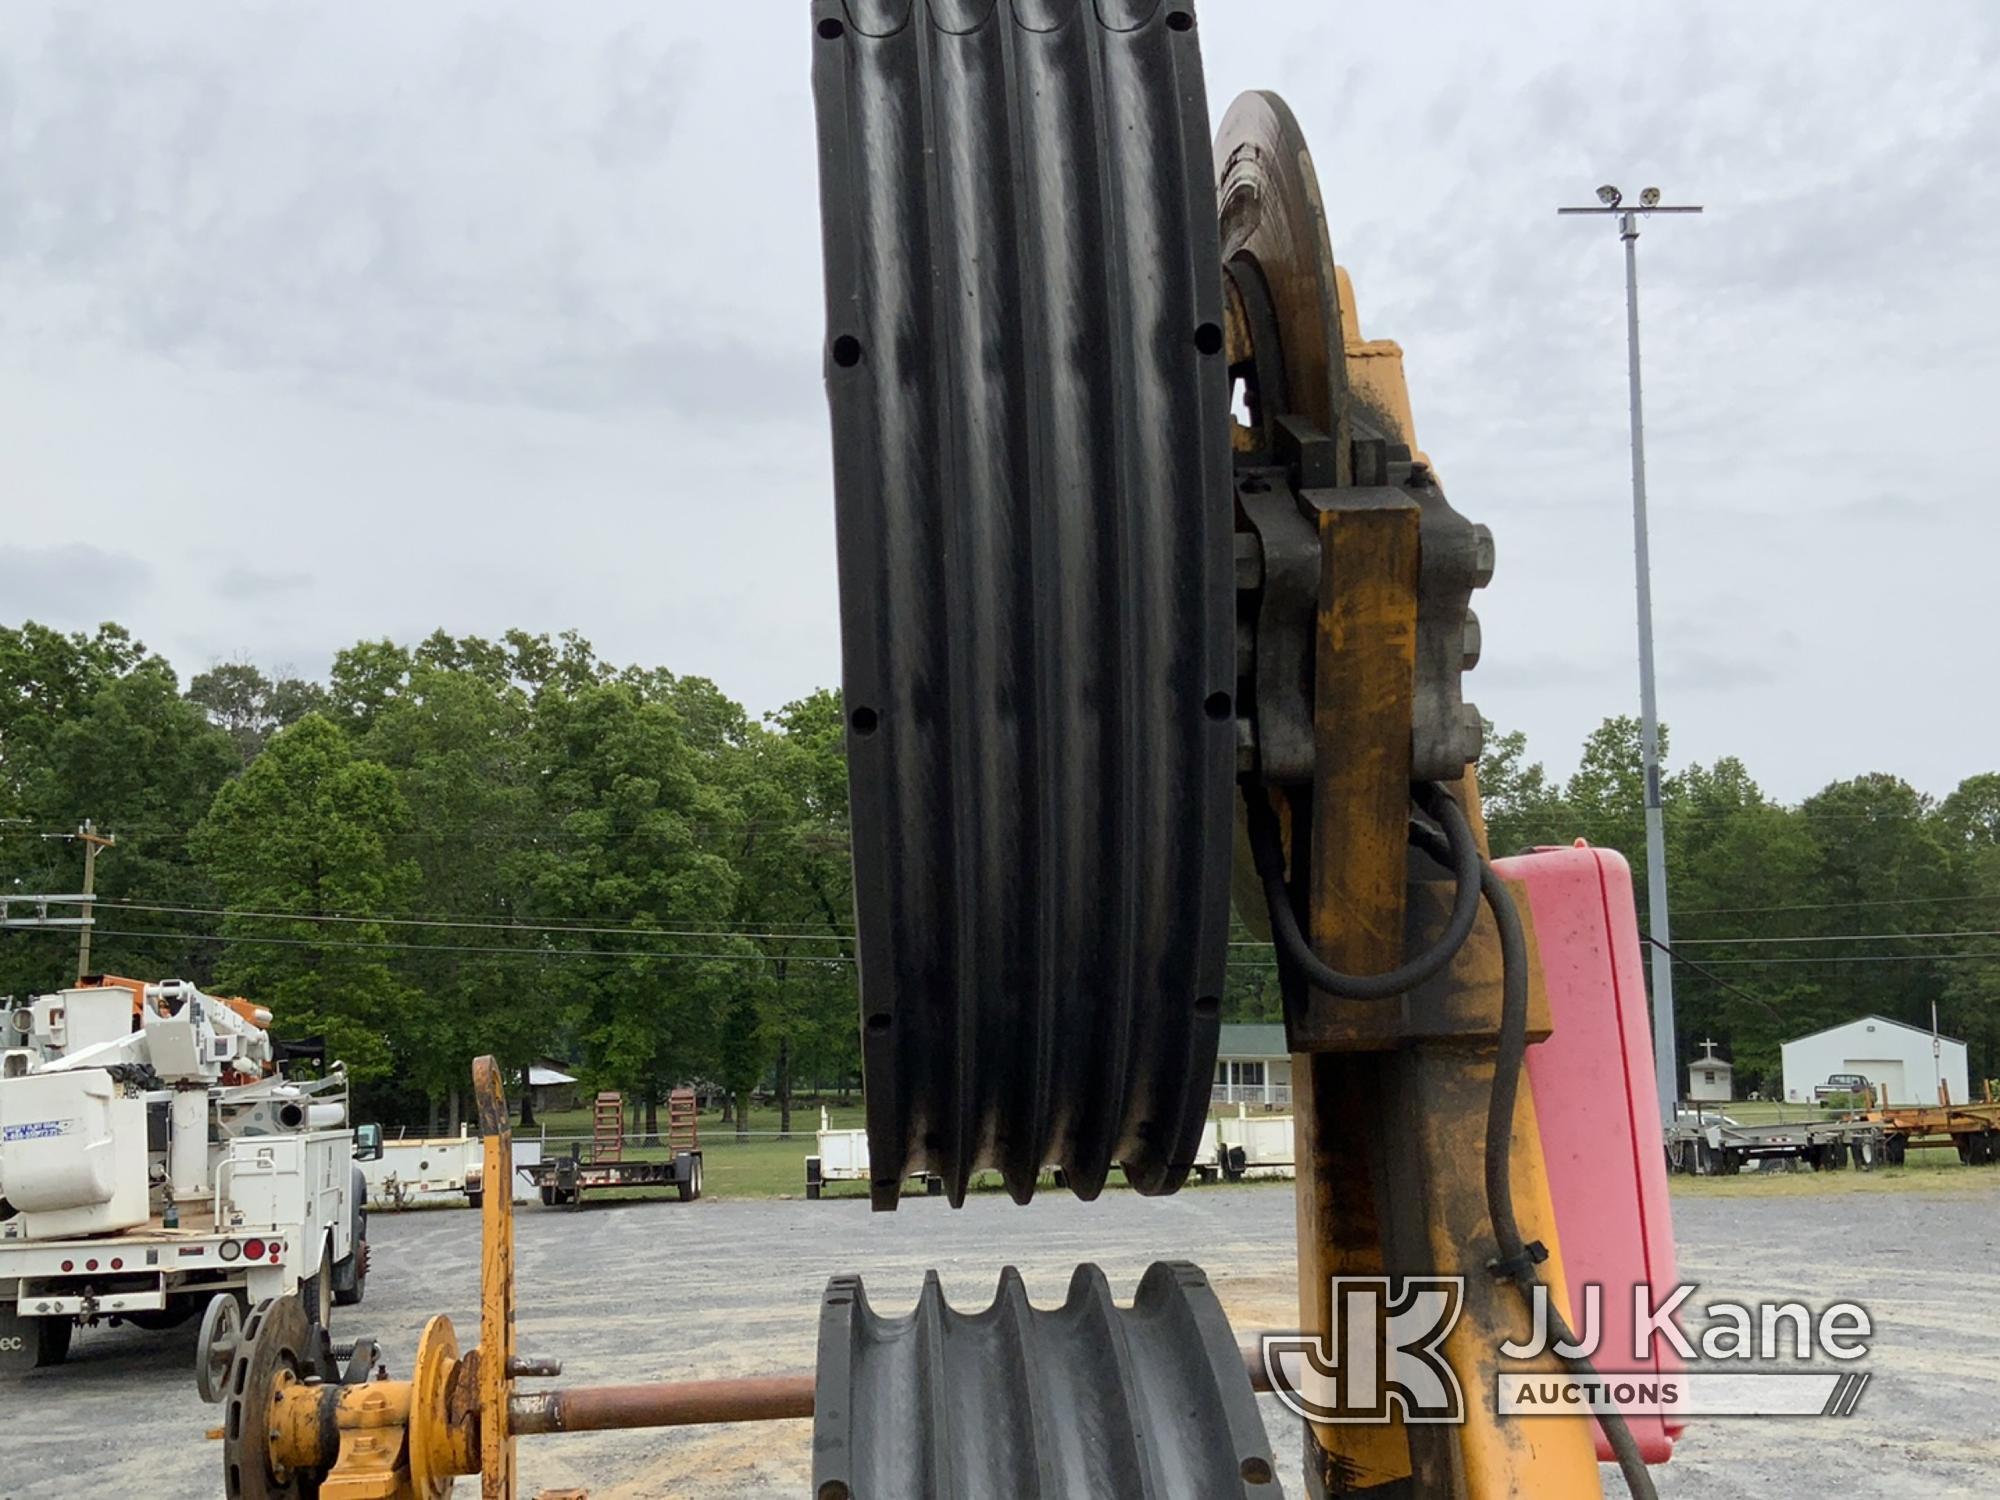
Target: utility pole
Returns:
[[1666, 1065], [92, 841]]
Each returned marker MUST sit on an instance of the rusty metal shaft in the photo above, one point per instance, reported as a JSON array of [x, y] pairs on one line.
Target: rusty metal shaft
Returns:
[[662, 1403], [694, 1403]]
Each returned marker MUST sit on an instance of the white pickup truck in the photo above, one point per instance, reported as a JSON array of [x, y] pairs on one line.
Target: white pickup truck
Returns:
[[152, 1155]]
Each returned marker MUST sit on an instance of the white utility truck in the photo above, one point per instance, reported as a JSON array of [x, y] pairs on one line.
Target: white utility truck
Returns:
[[152, 1156]]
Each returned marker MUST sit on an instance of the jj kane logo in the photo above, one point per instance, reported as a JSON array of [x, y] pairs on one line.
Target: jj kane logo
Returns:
[[1383, 1357]]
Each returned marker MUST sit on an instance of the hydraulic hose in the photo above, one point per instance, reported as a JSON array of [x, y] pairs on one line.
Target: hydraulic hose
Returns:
[[1461, 857], [1453, 845], [1516, 1262]]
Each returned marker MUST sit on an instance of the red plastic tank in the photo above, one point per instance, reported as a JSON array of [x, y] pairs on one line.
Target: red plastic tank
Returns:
[[1596, 1103]]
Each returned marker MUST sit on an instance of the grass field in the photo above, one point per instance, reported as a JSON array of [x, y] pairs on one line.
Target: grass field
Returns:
[[766, 1165], [761, 1164]]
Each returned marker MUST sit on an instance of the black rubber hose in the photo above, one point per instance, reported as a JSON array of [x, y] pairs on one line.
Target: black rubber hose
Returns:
[[1514, 1259], [1461, 857]]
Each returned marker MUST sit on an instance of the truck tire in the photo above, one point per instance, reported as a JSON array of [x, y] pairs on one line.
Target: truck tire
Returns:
[[316, 1291], [54, 1336], [688, 1176], [350, 1276], [475, 1197], [548, 1195]]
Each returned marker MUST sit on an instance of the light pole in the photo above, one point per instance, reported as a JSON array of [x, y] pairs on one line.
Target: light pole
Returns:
[[1610, 201]]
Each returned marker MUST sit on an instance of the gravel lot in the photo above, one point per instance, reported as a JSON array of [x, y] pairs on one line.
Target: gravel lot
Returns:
[[664, 1290]]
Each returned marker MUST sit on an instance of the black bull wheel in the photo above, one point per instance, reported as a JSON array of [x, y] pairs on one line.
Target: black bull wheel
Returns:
[[1029, 390]]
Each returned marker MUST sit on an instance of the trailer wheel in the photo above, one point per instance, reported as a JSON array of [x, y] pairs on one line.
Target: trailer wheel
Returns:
[[475, 1197], [1894, 1149], [1866, 1151], [548, 1195], [689, 1177]]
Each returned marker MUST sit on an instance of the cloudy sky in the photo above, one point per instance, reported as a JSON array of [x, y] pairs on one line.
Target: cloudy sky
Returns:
[[340, 321]]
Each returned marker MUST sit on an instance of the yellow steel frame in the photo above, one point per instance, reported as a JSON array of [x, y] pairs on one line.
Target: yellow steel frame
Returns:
[[1391, 1116]]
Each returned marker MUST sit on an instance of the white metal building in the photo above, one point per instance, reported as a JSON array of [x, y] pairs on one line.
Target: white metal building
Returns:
[[1887, 1053], [1252, 1066], [1709, 1079]]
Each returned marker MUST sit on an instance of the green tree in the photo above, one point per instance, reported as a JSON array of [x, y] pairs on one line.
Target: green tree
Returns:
[[1522, 807], [628, 824], [309, 832], [250, 707], [95, 727], [457, 740]]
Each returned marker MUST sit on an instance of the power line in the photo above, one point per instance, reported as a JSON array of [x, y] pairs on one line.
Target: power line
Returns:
[[831, 929], [597, 953], [1724, 911], [1841, 937], [1716, 979], [609, 954], [1869, 958], [829, 934]]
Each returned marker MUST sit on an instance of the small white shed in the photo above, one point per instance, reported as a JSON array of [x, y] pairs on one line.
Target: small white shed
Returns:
[[1897, 1058], [1709, 1078]]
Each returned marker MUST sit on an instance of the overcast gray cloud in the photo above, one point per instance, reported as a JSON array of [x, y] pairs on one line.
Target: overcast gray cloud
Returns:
[[70, 586], [479, 315]]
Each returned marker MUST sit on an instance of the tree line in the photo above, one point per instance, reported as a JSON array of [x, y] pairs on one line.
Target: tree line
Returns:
[[513, 846], [460, 847]]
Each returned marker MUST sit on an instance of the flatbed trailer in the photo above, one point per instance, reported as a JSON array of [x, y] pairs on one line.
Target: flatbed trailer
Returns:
[[565, 1179], [1974, 1129], [1709, 1147]]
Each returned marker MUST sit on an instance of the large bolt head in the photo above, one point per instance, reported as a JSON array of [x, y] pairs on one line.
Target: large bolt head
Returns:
[[1482, 556], [1469, 657]]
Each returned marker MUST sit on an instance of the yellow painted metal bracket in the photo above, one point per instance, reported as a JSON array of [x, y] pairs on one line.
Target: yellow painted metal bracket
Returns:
[[495, 1355]]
